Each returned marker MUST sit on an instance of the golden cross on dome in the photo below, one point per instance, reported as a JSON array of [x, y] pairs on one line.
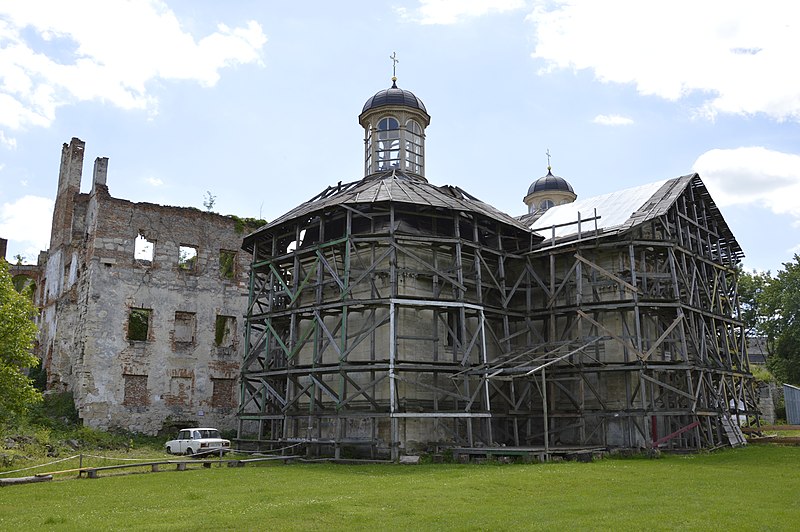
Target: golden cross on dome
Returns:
[[395, 60]]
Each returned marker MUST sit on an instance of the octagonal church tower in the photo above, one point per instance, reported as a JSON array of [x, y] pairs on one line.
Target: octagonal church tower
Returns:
[[373, 306]]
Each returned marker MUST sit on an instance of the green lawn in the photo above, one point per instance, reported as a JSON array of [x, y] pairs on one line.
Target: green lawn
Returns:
[[755, 488]]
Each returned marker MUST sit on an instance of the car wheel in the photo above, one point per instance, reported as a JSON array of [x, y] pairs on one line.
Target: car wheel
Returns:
[[189, 451], [169, 450]]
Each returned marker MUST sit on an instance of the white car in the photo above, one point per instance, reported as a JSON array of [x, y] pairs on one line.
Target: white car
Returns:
[[198, 441]]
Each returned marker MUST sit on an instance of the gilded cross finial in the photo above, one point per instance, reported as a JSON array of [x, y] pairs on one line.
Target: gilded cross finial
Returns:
[[395, 60], [548, 159]]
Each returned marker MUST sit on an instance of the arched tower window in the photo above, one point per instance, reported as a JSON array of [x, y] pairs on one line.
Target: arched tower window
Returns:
[[387, 154], [414, 148], [546, 204]]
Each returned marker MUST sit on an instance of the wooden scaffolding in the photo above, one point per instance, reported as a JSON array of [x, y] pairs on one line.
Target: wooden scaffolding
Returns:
[[390, 316]]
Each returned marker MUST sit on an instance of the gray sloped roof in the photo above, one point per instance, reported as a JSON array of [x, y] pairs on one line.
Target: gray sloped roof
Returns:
[[394, 96], [619, 211], [392, 186], [550, 182]]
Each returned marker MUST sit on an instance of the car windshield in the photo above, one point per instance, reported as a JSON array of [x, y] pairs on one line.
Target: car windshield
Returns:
[[209, 433]]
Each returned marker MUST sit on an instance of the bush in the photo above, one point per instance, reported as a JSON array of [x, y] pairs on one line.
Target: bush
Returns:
[[761, 373]]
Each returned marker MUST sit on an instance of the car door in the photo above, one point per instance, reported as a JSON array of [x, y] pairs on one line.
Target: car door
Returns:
[[184, 437]]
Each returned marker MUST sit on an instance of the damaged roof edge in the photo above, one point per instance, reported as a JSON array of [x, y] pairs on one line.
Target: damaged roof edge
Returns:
[[393, 186]]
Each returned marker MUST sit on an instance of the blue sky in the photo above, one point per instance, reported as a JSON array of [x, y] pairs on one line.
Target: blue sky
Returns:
[[257, 102]]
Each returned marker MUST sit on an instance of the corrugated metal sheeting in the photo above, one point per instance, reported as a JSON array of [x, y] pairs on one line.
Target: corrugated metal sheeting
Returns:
[[791, 396]]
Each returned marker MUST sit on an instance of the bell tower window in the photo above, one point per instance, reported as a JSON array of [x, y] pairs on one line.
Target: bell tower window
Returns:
[[388, 152], [414, 148], [546, 204]]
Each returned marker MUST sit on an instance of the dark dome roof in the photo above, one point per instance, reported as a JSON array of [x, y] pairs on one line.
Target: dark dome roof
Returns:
[[550, 182], [394, 96]]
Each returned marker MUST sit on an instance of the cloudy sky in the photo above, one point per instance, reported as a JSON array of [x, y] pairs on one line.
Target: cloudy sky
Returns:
[[257, 102]]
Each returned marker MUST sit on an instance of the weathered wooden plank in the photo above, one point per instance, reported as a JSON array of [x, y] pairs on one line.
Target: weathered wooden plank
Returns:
[[25, 480]]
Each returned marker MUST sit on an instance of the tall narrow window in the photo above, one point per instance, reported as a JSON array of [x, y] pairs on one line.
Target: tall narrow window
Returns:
[[184, 327], [225, 331], [139, 324], [414, 148], [388, 152], [187, 258], [180, 391], [227, 264], [368, 150], [135, 390], [223, 394], [143, 250]]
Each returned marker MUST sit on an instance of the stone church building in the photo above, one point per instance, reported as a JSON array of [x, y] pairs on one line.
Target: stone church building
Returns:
[[389, 315]]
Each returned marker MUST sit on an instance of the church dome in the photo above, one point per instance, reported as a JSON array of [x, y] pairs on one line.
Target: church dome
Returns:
[[394, 96], [549, 183]]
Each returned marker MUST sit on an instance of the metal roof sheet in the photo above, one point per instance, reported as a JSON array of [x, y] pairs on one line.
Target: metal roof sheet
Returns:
[[619, 211], [393, 186], [613, 209]]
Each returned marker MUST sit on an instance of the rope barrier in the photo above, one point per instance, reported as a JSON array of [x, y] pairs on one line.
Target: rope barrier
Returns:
[[270, 451], [120, 459], [241, 451], [38, 466]]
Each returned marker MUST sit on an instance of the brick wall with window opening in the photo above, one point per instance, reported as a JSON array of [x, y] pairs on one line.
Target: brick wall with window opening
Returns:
[[223, 394], [225, 331], [185, 325], [135, 390], [139, 324]]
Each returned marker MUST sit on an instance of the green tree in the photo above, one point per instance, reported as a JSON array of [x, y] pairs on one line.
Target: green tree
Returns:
[[17, 335], [779, 309], [751, 288]]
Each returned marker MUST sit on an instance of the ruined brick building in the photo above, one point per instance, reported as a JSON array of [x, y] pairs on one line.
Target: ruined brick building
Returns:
[[389, 315], [141, 306]]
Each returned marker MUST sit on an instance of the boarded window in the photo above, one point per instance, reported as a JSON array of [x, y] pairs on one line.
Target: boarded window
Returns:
[[143, 250], [139, 324], [180, 391], [225, 331], [187, 258], [227, 263], [223, 395], [184, 327], [135, 390]]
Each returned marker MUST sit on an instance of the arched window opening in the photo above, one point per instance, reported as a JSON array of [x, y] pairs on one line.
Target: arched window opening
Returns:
[[388, 153], [414, 147], [368, 151], [546, 204]]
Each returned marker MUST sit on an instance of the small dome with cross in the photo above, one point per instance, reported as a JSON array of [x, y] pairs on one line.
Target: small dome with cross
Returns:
[[548, 191], [394, 122], [550, 182], [394, 96]]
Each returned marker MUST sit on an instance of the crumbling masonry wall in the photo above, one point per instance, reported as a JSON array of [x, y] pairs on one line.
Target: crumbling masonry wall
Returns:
[[142, 307]]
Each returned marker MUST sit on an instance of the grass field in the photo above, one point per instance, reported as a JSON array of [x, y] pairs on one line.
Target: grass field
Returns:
[[754, 488]]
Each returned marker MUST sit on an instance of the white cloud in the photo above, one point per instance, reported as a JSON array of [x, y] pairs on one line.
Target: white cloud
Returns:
[[8, 142], [27, 221], [53, 54], [752, 175], [454, 11], [738, 54], [612, 120], [154, 181]]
